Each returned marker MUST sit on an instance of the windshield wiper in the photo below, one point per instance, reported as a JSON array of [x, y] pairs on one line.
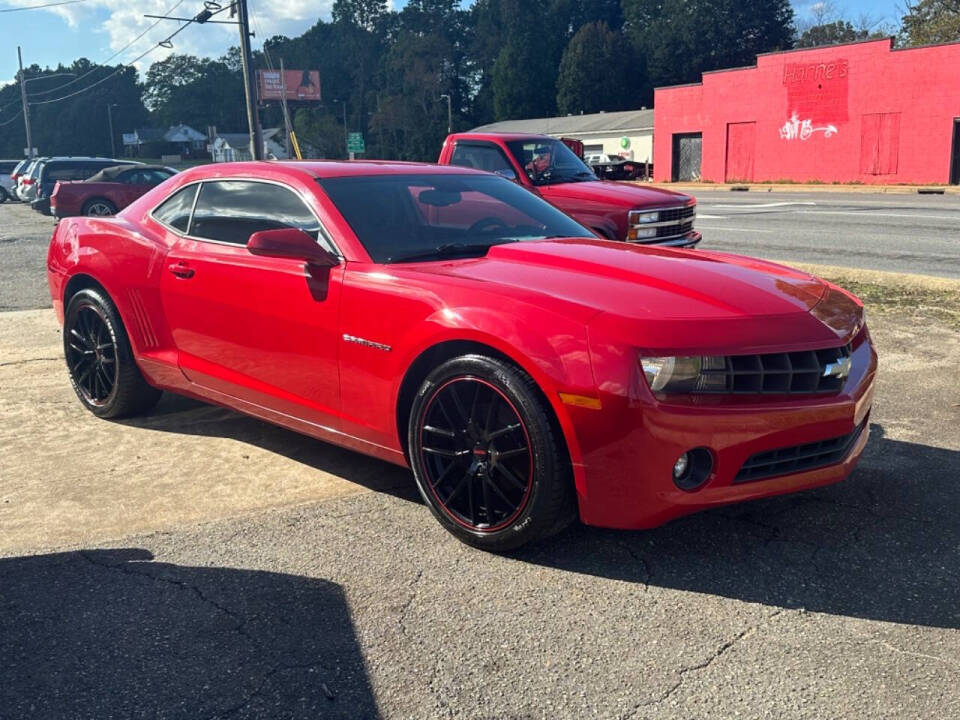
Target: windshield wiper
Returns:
[[447, 250]]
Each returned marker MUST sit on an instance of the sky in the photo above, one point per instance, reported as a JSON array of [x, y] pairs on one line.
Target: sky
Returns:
[[96, 29]]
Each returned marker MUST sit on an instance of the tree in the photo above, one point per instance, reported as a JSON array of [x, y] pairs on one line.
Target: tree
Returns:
[[832, 33], [197, 92], [681, 39], [598, 72], [931, 21], [362, 13]]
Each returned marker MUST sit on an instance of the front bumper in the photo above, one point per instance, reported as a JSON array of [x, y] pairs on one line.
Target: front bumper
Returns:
[[625, 480]]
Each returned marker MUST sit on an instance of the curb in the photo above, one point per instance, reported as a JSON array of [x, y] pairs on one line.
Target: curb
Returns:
[[772, 187]]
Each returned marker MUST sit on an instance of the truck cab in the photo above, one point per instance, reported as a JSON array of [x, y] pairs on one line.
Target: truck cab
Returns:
[[548, 167]]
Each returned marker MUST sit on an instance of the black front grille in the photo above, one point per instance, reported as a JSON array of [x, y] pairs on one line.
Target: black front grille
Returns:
[[798, 458], [673, 230], [676, 213], [789, 373]]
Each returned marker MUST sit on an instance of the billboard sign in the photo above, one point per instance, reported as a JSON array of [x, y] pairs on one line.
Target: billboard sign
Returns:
[[300, 84]]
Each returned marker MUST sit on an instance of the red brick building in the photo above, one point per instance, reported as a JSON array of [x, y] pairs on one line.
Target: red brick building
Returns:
[[860, 112]]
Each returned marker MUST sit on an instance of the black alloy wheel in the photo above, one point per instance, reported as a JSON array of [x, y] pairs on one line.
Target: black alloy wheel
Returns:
[[91, 353], [486, 456], [100, 361]]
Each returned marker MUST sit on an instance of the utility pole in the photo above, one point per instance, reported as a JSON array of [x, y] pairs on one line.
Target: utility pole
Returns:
[[449, 113], [113, 146], [256, 136], [286, 113], [346, 134], [26, 105]]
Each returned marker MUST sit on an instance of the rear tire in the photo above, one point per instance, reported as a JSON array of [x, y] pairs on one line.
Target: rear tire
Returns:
[[486, 457], [3, 195], [100, 360], [99, 207]]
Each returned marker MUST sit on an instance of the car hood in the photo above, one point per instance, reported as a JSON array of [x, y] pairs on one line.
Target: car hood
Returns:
[[656, 292], [628, 195]]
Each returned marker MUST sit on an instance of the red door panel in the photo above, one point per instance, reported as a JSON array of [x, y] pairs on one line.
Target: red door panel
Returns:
[[880, 143], [741, 145], [259, 329]]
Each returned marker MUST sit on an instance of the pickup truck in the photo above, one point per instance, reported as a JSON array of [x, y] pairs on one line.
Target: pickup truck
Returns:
[[549, 168], [106, 192]]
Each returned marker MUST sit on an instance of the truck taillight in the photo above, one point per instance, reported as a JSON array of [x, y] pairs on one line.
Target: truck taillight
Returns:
[[28, 181]]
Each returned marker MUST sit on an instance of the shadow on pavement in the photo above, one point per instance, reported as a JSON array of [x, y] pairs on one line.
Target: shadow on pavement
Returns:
[[184, 416], [108, 633], [882, 545]]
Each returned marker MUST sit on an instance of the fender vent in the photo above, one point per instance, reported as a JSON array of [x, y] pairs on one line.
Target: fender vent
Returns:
[[145, 334]]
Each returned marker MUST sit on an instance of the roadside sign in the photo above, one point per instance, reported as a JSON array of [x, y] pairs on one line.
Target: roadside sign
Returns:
[[355, 142]]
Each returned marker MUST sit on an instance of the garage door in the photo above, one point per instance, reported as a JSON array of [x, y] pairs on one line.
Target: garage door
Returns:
[[879, 143], [741, 145]]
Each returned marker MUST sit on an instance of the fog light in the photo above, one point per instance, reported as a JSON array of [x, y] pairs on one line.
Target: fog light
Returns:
[[692, 469], [680, 466]]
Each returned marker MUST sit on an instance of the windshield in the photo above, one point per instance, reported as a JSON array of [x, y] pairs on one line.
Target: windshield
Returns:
[[547, 161], [402, 218]]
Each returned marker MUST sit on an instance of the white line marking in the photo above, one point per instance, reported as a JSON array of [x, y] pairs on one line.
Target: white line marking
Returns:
[[712, 217], [763, 205], [731, 229], [870, 214]]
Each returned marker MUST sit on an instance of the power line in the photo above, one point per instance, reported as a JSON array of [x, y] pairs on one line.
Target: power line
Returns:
[[118, 52], [7, 122], [41, 7], [165, 43]]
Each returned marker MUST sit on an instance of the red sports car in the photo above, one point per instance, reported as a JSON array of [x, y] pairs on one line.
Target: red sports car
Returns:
[[438, 317]]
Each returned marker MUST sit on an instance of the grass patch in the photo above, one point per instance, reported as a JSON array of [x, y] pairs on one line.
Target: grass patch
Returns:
[[929, 302]]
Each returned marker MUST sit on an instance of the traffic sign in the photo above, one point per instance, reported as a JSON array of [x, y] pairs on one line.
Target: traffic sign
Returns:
[[355, 142]]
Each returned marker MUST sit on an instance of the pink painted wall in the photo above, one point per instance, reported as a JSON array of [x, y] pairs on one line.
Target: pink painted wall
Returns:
[[857, 112]]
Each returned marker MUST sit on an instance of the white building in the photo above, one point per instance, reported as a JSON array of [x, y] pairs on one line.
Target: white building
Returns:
[[628, 134], [235, 147]]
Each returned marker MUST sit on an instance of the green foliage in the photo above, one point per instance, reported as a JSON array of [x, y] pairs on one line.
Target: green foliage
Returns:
[[931, 21], [683, 38], [598, 72], [832, 33]]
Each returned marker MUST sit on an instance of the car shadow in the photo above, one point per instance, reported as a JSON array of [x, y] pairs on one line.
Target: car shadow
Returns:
[[109, 633], [882, 545], [185, 416]]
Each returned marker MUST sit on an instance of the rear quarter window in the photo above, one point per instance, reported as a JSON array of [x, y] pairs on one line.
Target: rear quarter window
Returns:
[[175, 211]]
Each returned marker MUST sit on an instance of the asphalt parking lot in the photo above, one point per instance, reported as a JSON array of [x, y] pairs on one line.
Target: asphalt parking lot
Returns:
[[198, 564]]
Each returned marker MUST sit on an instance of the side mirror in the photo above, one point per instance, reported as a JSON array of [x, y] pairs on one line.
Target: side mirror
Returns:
[[507, 173], [292, 243]]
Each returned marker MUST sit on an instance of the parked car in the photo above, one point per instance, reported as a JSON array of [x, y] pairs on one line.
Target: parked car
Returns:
[[58, 169], [108, 191], [549, 168], [26, 179], [449, 320], [7, 168]]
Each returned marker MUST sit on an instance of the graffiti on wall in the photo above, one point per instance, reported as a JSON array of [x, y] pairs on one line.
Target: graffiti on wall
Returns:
[[797, 129]]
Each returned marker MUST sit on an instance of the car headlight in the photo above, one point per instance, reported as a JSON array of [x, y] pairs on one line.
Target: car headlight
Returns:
[[683, 374], [639, 217]]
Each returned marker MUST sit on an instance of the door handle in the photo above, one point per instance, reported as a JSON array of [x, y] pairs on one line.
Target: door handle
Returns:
[[181, 270]]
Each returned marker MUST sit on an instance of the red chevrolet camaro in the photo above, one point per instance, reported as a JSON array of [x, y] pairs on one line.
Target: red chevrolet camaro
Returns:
[[446, 319]]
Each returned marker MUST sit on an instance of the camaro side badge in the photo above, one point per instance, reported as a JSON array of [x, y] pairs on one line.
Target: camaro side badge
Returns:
[[366, 343]]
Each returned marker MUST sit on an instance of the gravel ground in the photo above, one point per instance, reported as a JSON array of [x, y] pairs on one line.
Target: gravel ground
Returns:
[[24, 237]]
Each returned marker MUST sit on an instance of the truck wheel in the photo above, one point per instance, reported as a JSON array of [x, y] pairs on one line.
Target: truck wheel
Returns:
[[486, 457], [99, 207]]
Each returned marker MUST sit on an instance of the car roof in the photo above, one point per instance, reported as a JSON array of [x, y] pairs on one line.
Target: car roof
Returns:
[[323, 169], [110, 173], [502, 136]]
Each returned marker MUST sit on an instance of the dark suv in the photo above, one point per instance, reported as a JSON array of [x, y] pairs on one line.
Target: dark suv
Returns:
[[56, 169]]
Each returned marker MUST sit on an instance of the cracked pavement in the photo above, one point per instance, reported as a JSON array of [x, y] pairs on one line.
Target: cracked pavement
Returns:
[[199, 564]]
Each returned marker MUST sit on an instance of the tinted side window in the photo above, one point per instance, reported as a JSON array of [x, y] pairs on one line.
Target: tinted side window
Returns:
[[7, 167], [232, 210], [175, 211], [55, 171], [480, 157]]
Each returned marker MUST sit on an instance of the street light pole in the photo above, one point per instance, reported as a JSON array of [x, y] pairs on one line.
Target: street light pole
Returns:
[[113, 146], [449, 113], [250, 90], [26, 105]]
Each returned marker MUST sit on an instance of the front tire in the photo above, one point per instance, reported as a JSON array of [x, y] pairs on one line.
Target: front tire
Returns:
[[100, 360], [486, 456]]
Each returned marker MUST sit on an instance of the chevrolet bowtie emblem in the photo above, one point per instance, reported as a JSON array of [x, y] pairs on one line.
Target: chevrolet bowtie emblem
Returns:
[[840, 368]]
